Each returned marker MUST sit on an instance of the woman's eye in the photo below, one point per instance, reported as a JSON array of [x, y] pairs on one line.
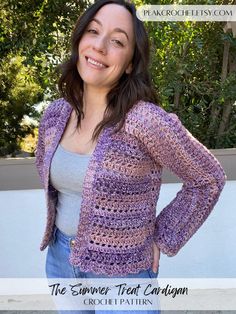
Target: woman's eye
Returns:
[[91, 31], [118, 42]]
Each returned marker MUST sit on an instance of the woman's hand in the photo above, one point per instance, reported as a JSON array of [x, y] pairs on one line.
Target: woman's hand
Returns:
[[156, 258]]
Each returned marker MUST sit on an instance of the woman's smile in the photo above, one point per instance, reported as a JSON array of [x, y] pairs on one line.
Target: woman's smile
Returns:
[[95, 64]]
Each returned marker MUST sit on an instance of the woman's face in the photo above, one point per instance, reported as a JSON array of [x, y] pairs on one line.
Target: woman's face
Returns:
[[106, 47]]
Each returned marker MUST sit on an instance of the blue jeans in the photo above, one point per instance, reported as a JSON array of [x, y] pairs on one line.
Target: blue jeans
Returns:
[[58, 266]]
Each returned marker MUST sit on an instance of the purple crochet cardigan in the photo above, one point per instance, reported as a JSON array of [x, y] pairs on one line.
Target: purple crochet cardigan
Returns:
[[118, 222]]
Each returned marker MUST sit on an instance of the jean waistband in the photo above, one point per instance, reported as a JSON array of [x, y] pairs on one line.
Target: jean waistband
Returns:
[[64, 238]]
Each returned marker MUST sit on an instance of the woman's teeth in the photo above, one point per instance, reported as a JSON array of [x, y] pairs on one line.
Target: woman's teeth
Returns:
[[96, 63]]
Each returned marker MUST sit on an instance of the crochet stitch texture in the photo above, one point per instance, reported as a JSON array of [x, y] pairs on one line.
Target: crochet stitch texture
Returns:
[[118, 222]]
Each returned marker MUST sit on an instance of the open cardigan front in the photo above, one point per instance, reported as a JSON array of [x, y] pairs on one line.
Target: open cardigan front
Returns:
[[118, 223]]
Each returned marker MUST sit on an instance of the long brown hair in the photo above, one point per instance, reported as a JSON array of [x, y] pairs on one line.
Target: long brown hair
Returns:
[[131, 87]]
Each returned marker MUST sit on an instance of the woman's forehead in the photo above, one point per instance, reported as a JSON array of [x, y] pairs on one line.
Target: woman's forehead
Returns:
[[114, 16]]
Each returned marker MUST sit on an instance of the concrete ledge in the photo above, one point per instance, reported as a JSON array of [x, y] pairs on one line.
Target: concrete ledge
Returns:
[[21, 173]]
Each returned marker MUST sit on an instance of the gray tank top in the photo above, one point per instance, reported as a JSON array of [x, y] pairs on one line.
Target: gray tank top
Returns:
[[67, 174]]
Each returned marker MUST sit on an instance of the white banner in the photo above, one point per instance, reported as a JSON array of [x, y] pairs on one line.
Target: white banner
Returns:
[[176, 12], [118, 294]]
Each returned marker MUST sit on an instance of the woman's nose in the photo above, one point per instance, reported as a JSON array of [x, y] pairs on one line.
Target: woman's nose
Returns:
[[100, 45]]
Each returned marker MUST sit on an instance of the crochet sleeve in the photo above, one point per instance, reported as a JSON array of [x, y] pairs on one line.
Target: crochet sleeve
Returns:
[[172, 146], [40, 146]]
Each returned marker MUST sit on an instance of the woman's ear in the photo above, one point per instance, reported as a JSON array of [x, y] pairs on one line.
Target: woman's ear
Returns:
[[128, 69]]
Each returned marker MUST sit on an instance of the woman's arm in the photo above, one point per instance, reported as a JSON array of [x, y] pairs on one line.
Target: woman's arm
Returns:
[[172, 146]]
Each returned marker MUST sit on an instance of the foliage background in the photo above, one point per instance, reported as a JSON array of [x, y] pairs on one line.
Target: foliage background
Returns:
[[193, 68]]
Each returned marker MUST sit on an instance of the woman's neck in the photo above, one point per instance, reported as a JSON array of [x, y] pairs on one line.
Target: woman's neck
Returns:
[[94, 101]]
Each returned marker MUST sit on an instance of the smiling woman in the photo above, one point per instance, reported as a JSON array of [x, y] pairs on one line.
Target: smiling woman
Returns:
[[100, 154], [109, 60]]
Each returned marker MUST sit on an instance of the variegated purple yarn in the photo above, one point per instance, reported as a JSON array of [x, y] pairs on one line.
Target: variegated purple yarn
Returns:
[[118, 222]]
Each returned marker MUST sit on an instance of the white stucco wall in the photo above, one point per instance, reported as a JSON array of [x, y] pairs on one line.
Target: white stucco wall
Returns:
[[211, 252]]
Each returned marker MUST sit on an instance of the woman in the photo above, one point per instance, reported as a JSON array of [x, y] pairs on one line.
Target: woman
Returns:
[[100, 155]]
